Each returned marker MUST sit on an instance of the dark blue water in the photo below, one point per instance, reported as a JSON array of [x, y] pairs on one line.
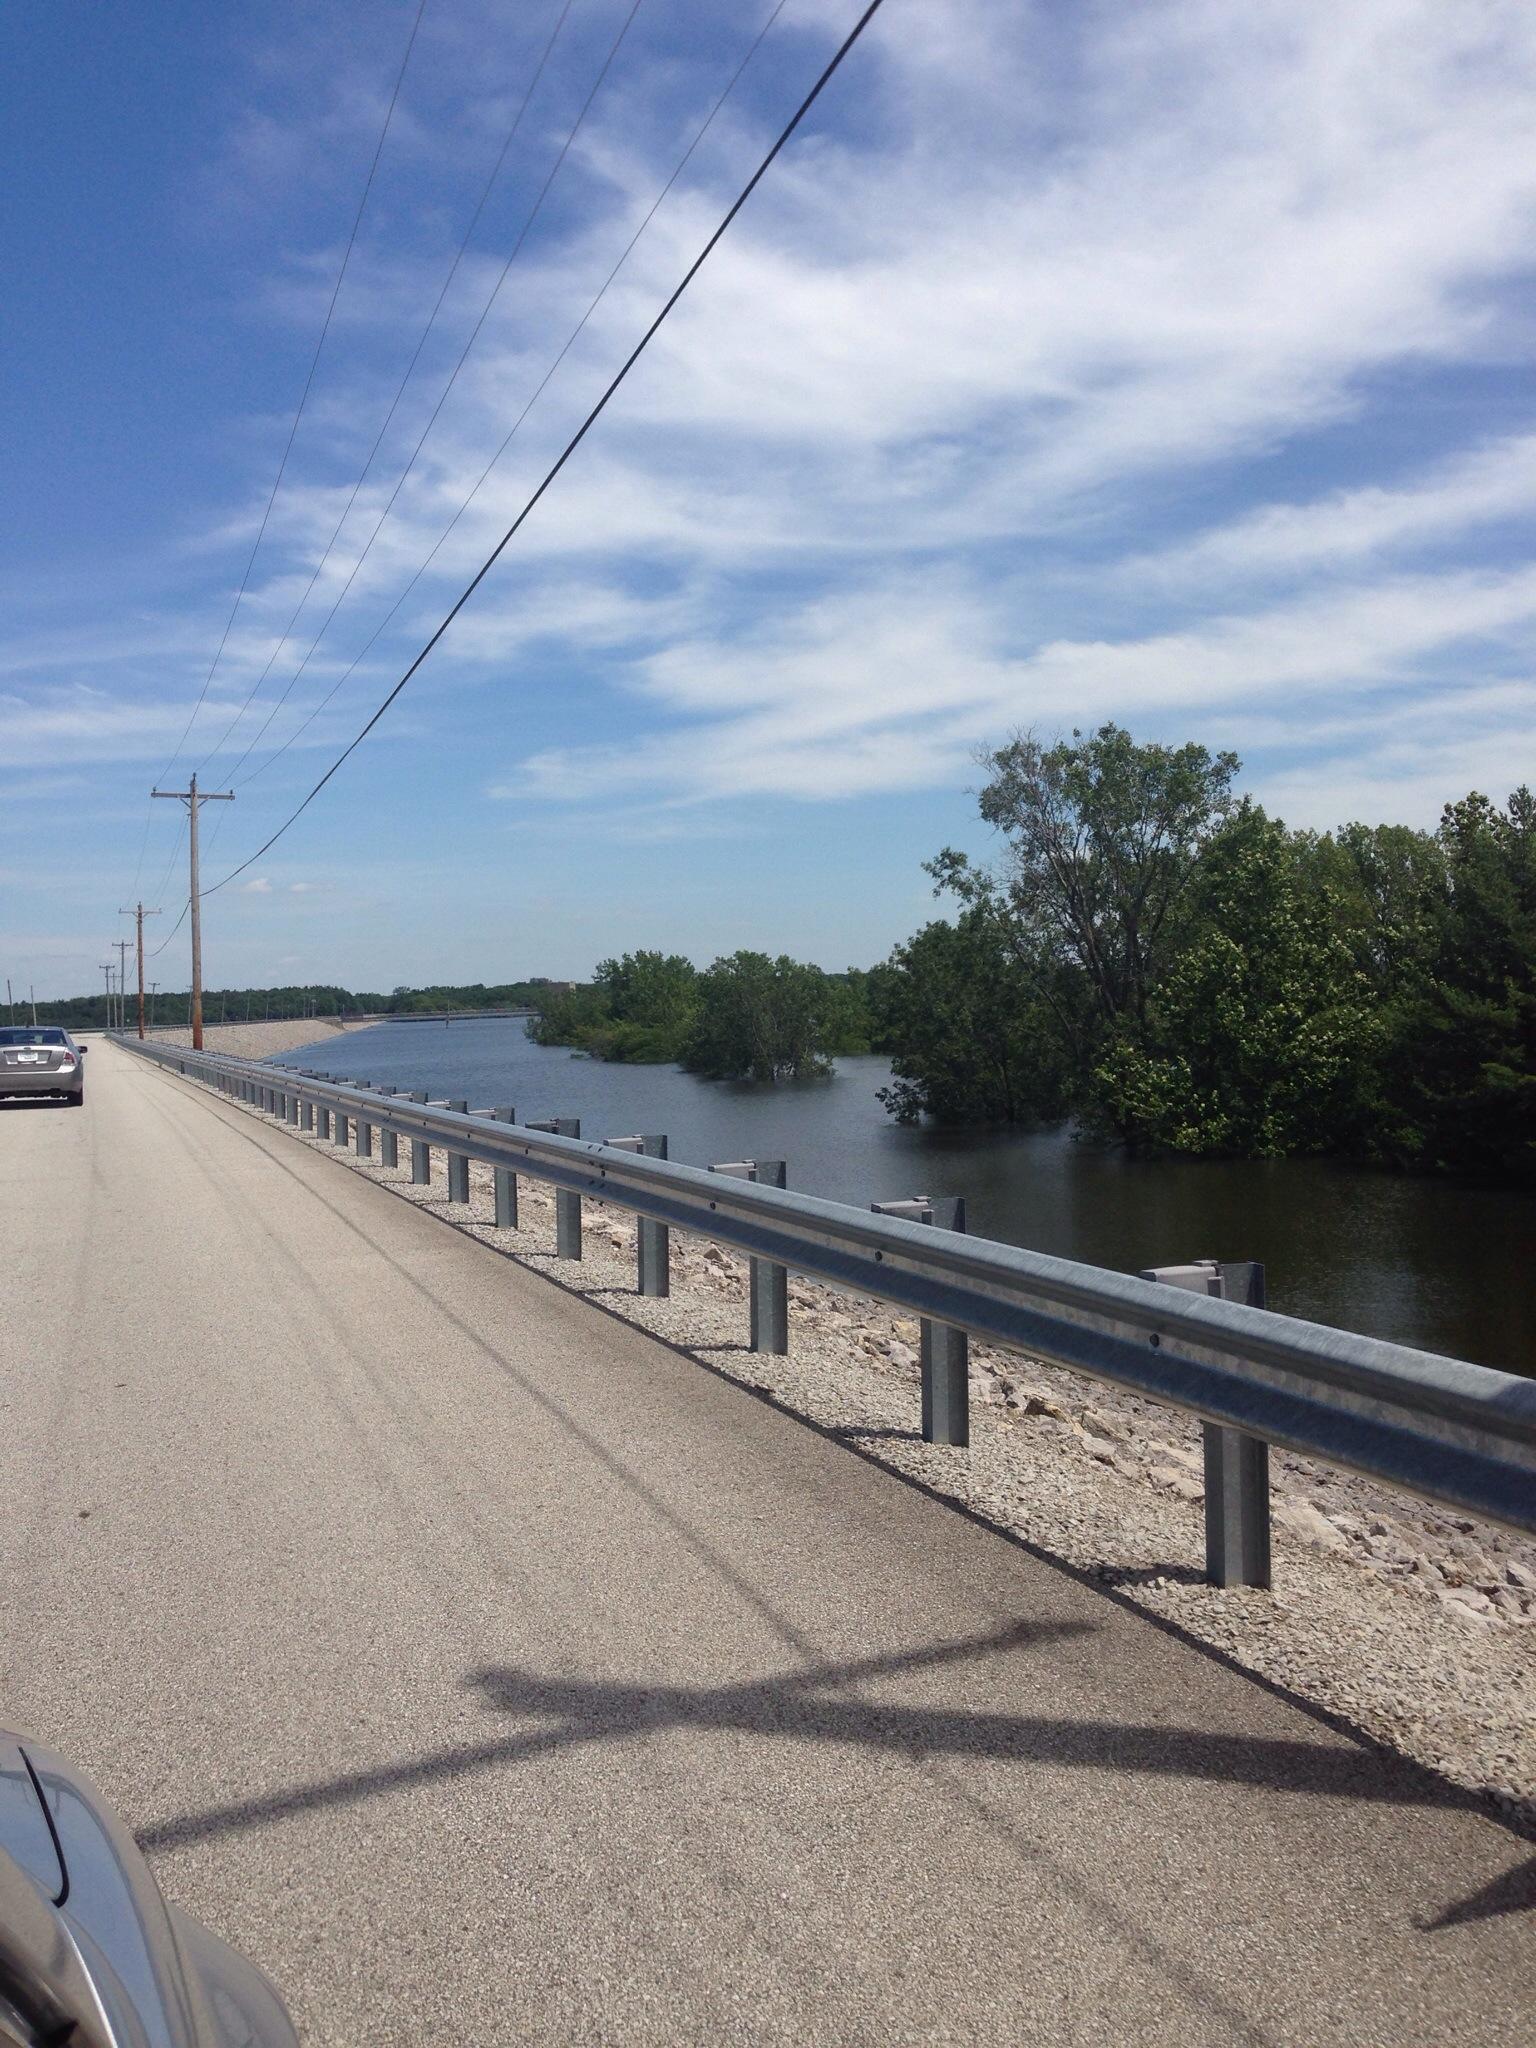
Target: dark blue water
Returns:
[[1431, 1263]]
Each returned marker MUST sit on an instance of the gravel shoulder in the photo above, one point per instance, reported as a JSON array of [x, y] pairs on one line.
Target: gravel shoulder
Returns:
[[1412, 1625]]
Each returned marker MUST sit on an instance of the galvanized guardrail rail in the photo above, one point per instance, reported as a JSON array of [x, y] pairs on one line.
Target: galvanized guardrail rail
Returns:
[[1460, 1434]]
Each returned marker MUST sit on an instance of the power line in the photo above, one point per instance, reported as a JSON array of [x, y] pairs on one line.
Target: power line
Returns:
[[176, 927], [282, 466], [533, 398], [410, 369], [389, 507], [579, 436]]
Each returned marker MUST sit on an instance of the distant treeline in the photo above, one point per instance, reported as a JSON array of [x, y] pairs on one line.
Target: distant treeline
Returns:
[[748, 1017], [1161, 963], [237, 1005]]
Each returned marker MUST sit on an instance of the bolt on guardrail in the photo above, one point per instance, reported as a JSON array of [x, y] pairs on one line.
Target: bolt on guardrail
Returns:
[[653, 1241], [567, 1201], [458, 1162], [767, 1281], [503, 1180], [1237, 1519], [944, 1352], [389, 1141], [421, 1152]]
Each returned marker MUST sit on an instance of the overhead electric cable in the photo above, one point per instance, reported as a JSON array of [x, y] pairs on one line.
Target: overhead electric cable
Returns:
[[394, 405], [357, 219], [453, 379], [534, 396], [176, 927], [159, 889], [577, 438]]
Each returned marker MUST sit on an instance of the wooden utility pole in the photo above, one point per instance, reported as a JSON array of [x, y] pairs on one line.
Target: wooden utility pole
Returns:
[[194, 799], [122, 946], [138, 914], [106, 968]]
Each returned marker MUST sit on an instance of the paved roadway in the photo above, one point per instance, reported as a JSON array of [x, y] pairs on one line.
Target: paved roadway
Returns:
[[493, 1674]]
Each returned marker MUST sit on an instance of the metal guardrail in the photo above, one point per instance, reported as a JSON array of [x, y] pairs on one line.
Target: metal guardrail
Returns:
[[1460, 1434]]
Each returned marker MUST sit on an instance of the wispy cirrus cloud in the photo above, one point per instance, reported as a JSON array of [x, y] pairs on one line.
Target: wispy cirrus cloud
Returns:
[[1473, 489], [895, 687]]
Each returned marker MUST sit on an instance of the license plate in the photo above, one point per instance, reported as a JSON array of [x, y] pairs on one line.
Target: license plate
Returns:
[[29, 1059]]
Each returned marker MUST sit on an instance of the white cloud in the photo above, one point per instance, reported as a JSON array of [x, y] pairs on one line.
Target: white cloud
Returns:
[[893, 688], [1473, 489], [258, 885], [79, 723]]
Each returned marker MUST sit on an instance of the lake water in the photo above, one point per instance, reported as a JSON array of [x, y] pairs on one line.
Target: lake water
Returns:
[[1431, 1263]]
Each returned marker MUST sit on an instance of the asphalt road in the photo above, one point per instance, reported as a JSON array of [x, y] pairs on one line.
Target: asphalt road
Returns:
[[491, 1673]]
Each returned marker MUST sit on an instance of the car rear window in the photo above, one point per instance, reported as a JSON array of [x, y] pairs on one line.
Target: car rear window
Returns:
[[32, 1034]]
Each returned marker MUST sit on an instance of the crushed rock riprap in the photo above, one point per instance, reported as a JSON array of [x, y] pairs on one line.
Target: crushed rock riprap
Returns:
[[1414, 1624], [264, 1038]]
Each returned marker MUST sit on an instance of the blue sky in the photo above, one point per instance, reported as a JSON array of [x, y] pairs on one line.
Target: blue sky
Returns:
[[1169, 364]]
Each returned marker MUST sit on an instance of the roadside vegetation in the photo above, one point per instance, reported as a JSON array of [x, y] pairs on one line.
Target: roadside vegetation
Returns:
[[1159, 961], [748, 1017], [1166, 964]]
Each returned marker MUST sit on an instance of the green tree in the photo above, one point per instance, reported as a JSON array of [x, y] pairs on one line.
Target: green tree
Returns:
[[1103, 838], [761, 1020], [571, 1016], [652, 1000], [973, 1038], [1461, 1071], [1259, 1038]]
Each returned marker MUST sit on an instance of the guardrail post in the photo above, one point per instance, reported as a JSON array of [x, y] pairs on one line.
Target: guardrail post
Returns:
[[339, 1122], [1237, 1523], [944, 1352], [307, 1111], [504, 1180], [567, 1201], [293, 1107], [458, 1162], [363, 1132], [421, 1152], [767, 1281], [389, 1141], [653, 1241]]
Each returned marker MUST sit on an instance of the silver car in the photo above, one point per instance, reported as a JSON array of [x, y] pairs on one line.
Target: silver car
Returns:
[[91, 1952], [40, 1059]]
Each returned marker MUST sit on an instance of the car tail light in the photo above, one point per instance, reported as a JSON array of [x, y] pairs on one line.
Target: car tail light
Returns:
[[67, 1062]]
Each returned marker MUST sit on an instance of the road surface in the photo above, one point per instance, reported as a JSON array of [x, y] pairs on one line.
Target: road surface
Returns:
[[491, 1673]]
